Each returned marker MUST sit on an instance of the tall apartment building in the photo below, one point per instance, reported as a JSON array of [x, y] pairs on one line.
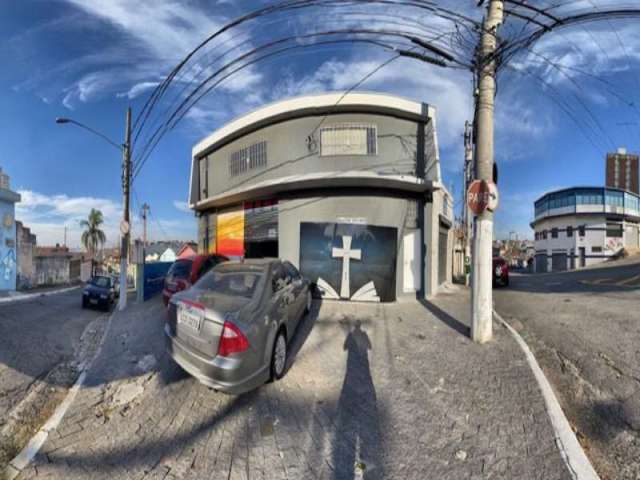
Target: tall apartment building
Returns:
[[622, 171]]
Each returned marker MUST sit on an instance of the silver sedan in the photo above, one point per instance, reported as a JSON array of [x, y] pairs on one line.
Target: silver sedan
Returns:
[[231, 329]]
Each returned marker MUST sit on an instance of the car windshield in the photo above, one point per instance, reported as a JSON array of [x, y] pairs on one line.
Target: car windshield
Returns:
[[180, 269], [103, 282], [230, 283]]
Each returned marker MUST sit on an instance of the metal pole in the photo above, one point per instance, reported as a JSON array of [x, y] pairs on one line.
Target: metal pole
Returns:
[[125, 227], [482, 295]]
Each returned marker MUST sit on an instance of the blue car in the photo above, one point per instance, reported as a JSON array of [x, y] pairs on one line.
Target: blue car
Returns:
[[100, 292]]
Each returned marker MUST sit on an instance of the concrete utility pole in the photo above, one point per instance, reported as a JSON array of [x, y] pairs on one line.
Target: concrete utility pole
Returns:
[[125, 226], [482, 293], [145, 209], [468, 175]]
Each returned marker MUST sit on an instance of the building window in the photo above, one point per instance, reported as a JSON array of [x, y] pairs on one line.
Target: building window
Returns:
[[614, 230], [249, 158], [569, 231], [581, 230], [554, 233], [347, 139], [544, 234], [596, 249]]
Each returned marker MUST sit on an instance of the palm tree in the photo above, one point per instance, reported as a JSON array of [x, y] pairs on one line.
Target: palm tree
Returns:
[[93, 237]]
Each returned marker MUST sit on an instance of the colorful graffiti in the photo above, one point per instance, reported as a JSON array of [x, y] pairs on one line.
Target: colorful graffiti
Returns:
[[230, 233], [8, 265]]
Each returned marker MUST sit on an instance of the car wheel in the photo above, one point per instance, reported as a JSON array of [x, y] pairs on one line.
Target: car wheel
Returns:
[[307, 307], [279, 356]]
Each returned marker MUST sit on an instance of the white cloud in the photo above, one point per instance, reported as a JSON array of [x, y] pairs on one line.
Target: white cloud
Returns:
[[182, 206]]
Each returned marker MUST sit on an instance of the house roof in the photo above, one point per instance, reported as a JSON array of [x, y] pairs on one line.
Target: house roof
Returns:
[[56, 251]]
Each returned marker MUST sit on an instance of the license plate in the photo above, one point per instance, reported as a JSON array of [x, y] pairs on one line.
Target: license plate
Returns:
[[93, 301], [189, 316]]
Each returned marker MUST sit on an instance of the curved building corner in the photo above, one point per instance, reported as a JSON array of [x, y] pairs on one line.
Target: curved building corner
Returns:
[[347, 188]]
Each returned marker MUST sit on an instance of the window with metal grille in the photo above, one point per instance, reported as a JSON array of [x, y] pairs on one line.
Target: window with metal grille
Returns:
[[614, 230], [348, 139], [248, 158]]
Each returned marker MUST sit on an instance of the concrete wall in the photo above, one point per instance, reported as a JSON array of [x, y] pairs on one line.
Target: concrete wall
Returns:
[[52, 270], [8, 256], [26, 245], [288, 151], [595, 237]]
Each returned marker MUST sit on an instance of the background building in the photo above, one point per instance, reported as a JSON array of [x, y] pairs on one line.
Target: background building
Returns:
[[53, 265], [8, 256], [622, 171], [580, 226], [347, 188], [26, 247]]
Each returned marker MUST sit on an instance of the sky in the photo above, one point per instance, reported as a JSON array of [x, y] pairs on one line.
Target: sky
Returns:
[[561, 106]]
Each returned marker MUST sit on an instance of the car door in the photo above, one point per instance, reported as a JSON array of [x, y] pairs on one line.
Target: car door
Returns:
[[279, 301], [297, 289]]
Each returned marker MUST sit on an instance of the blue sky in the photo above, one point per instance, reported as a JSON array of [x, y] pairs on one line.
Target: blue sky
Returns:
[[89, 59]]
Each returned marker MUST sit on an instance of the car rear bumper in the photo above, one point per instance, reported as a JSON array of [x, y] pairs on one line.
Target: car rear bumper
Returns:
[[223, 374]]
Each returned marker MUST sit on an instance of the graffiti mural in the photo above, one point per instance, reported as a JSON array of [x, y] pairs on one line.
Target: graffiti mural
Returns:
[[350, 261], [8, 265]]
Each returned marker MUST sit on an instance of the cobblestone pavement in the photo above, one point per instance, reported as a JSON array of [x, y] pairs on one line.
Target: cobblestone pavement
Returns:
[[583, 327], [373, 391]]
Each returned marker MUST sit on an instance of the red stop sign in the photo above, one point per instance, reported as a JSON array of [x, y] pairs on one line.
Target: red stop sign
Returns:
[[478, 196]]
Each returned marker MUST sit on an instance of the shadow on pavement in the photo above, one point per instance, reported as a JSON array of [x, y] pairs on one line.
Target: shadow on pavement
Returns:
[[358, 437], [445, 318]]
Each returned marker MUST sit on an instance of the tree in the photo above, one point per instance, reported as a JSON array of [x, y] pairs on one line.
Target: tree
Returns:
[[93, 237]]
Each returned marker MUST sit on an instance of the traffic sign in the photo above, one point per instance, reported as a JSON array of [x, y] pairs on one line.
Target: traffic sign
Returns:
[[124, 227], [482, 196]]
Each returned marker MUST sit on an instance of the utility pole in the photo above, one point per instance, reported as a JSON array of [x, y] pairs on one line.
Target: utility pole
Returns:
[[482, 289], [145, 209], [125, 226], [467, 176], [65, 236]]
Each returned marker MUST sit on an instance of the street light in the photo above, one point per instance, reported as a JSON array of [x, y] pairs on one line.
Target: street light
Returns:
[[125, 229]]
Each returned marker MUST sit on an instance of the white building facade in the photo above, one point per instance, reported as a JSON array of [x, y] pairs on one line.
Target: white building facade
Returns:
[[582, 226]]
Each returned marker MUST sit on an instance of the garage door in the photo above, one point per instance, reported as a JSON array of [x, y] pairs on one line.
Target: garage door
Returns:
[[541, 263], [350, 261], [559, 262]]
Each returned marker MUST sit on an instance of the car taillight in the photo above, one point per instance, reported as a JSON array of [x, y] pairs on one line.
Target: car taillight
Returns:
[[232, 340], [181, 285]]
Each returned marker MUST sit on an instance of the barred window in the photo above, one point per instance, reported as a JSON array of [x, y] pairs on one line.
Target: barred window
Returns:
[[249, 158], [349, 139]]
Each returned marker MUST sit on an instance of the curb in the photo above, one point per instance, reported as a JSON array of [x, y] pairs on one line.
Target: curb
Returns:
[[31, 296], [571, 451], [31, 449]]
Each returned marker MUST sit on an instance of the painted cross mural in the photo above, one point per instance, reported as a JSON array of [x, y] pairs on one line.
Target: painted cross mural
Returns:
[[348, 257]]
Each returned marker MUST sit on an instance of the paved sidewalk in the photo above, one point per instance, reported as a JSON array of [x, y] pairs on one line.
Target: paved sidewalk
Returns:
[[375, 391]]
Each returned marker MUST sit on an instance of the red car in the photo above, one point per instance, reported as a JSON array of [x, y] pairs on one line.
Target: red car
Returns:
[[186, 271], [500, 272]]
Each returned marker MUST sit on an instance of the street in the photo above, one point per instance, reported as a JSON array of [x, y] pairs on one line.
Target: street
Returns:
[[40, 346], [371, 391], [584, 328]]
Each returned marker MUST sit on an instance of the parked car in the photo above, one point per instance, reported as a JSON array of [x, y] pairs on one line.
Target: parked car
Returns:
[[186, 271], [116, 285], [500, 272], [99, 292], [231, 330]]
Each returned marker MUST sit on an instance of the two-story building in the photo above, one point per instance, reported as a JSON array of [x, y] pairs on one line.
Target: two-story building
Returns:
[[346, 187], [580, 226]]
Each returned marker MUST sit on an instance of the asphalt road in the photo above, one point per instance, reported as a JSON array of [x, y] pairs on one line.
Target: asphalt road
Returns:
[[584, 328], [36, 336]]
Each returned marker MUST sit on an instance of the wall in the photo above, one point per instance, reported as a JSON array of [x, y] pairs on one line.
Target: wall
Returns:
[[52, 270], [8, 257], [288, 152], [595, 236], [26, 245]]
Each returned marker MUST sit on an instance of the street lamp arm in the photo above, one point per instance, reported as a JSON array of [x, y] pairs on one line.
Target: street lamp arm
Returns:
[[61, 120]]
